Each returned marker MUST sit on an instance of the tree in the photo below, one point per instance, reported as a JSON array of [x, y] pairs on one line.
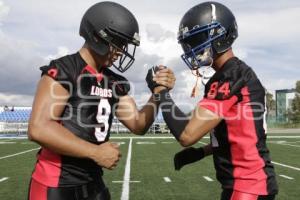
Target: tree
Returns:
[[270, 104], [295, 116], [298, 87]]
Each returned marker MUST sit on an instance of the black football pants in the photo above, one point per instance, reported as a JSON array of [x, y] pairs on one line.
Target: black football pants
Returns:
[[91, 191]]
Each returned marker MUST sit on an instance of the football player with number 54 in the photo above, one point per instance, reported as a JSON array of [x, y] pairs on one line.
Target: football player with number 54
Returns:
[[76, 100], [232, 109]]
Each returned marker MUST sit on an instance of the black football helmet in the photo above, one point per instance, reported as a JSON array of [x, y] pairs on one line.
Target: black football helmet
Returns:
[[206, 30], [107, 24]]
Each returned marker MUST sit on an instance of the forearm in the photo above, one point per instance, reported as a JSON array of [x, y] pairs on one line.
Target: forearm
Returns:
[[175, 119], [58, 139], [147, 115]]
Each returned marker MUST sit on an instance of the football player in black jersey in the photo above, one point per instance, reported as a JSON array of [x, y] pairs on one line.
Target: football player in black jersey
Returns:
[[76, 100], [232, 109]]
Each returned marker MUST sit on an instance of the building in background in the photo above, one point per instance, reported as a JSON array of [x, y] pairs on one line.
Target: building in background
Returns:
[[284, 99]]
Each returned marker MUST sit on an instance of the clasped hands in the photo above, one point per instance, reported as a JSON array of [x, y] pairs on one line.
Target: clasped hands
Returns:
[[159, 78]]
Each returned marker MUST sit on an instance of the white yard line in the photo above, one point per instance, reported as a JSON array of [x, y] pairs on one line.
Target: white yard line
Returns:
[[7, 142], [287, 166], [27, 143], [16, 154], [284, 143], [167, 142], [284, 136], [202, 143], [145, 143], [3, 179], [208, 178], [123, 181], [291, 145], [120, 143], [125, 191], [286, 177], [167, 179]]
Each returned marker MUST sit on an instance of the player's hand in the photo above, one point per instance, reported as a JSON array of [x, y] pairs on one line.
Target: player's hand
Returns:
[[188, 156], [159, 78], [165, 77], [106, 155]]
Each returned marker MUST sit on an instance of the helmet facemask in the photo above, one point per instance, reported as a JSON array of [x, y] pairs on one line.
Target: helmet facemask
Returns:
[[197, 44], [122, 43]]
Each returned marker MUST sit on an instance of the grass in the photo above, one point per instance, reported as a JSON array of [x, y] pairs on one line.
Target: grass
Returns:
[[150, 163]]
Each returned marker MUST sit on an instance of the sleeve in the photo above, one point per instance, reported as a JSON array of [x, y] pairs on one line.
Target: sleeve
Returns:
[[59, 74]]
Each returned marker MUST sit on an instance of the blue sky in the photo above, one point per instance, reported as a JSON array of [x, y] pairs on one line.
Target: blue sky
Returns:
[[34, 31]]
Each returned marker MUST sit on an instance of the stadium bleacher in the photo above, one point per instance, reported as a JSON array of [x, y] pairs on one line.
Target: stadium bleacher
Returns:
[[21, 115], [16, 121]]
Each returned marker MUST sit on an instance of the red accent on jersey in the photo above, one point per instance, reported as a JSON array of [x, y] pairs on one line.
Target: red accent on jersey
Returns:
[[53, 72], [219, 107], [48, 168], [91, 70], [37, 191]]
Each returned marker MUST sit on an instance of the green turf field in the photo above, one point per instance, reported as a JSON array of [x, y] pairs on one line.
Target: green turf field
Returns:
[[149, 174]]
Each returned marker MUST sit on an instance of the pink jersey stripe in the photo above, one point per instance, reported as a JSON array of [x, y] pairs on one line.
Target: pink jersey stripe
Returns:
[[48, 168], [248, 172], [37, 191]]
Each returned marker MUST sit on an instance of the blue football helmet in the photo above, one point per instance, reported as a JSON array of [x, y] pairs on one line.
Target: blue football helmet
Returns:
[[206, 30]]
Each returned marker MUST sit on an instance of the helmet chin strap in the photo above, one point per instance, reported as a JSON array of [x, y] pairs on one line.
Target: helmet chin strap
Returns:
[[204, 72], [207, 73]]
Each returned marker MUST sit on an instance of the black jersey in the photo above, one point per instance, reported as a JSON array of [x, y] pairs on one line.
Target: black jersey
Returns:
[[241, 157], [88, 114]]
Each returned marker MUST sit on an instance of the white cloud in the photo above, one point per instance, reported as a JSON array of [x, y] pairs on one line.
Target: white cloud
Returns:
[[263, 28], [241, 53], [4, 10], [19, 62], [280, 83], [167, 48], [61, 51], [16, 100], [156, 33]]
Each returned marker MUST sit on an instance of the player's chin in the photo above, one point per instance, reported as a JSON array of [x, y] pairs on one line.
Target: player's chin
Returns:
[[109, 63]]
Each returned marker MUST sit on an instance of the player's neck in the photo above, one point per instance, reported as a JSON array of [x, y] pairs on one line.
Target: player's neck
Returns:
[[89, 57], [221, 60]]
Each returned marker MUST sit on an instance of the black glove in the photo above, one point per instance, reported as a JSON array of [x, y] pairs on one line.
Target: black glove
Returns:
[[187, 156], [149, 78]]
